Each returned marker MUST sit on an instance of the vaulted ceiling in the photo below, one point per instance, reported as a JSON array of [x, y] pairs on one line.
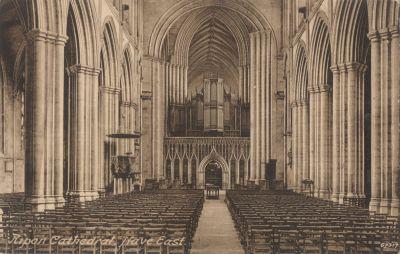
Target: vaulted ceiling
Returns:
[[212, 39], [213, 48]]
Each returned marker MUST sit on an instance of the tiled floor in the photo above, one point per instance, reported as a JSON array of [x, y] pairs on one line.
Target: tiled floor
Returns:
[[216, 232]]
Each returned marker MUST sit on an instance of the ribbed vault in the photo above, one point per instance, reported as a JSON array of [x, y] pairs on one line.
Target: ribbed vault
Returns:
[[211, 39], [213, 49]]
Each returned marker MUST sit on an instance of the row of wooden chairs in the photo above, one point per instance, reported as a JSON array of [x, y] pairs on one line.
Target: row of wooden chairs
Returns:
[[160, 222], [287, 222]]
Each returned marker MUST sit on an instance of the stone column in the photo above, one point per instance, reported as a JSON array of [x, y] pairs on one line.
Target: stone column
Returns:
[[181, 170], [241, 83], [299, 141], [263, 107], [395, 147], [189, 173], [343, 125], [253, 140], [36, 120], [295, 144], [317, 159], [324, 141], [237, 165], [246, 171], [313, 120], [304, 142], [85, 150], [185, 83], [59, 123], [354, 134], [258, 107], [94, 130], [375, 123], [182, 85], [336, 135], [172, 170], [385, 121]]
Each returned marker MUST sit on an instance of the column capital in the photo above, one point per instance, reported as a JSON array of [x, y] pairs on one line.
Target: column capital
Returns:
[[385, 33], [37, 34], [355, 66], [303, 103], [312, 89], [299, 103], [110, 90], [78, 68], [323, 88], [374, 36], [342, 67], [129, 104], [335, 69], [394, 31]]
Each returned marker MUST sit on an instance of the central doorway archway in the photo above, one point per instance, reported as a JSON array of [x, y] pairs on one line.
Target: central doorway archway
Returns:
[[213, 174], [219, 176]]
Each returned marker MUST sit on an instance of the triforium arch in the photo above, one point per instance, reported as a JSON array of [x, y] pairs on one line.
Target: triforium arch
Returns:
[[213, 156], [300, 117], [254, 58], [320, 106]]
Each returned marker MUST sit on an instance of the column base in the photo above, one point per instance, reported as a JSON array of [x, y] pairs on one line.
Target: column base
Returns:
[[374, 204], [88, 195], [94, 195], [323, 194], [60, 201], [335, 197], [341, 198], [60, 204], [251, 185], [38, 204], [395, 207], [80, 196], [102, 192], [263, 184], [50, 203], [384, 206]]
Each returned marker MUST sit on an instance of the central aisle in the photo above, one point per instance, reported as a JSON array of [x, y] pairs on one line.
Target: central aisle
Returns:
[[216, 232]]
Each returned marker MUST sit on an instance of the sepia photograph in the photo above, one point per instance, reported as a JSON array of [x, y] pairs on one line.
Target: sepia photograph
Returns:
[[200, 126]]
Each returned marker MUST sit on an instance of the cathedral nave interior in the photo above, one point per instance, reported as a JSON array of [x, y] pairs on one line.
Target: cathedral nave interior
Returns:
[[272, 123]]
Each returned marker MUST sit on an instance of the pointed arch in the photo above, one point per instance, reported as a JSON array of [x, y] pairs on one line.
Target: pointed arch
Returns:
[[213, 156], [81, 30], [320, 60], [301, 73], [127, 79], [350, 29], [244, 8], [109, 53], [383, 14], [48, 16]]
